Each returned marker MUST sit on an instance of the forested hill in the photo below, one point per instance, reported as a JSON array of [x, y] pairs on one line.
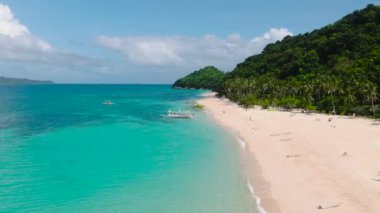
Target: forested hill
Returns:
[[332, 69], [206, 78], [7, 81]]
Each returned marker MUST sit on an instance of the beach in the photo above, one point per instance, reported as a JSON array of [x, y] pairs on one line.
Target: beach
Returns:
[[299, 162]]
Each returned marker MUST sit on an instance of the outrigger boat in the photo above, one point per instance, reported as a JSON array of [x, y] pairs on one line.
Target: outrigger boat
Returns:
[[179, 114], [107, 102]]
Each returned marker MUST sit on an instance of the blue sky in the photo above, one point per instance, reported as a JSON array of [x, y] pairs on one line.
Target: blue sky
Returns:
[[143, 41]]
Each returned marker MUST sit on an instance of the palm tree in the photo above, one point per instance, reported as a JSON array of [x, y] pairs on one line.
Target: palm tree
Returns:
[[331, 89], [371, 95], [350, 99], [293, 87]]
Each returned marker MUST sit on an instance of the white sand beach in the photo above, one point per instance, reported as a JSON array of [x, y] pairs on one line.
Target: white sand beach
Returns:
[[306, 162]]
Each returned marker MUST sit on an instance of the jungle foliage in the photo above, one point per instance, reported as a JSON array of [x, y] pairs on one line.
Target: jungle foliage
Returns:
[[206, 78], [333, 69]]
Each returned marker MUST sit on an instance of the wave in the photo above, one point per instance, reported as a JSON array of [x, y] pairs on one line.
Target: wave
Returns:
[[242, 143], [258, 200]]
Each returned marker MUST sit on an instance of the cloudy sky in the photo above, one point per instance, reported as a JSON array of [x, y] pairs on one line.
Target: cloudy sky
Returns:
[[142, 41]]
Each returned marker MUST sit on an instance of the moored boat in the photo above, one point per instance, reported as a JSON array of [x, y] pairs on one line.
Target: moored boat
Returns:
[[108, 102], [179, 114]]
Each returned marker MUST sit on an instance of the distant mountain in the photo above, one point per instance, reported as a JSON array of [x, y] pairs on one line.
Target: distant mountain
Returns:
[[206, 78], [12, 81]]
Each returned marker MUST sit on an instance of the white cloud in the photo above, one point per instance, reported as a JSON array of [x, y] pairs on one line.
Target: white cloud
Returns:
[[190, 51], [271, 36], [10, 26], [149, 59], [19, 44], [15, 37]]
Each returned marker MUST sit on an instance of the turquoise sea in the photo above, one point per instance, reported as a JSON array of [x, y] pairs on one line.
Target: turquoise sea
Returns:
[[62, 150]]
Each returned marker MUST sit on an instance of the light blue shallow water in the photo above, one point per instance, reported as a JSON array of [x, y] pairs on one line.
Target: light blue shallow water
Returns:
[[62, 150]]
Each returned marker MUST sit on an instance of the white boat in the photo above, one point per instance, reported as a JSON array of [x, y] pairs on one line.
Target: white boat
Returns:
[[179, 114], [107, 102]]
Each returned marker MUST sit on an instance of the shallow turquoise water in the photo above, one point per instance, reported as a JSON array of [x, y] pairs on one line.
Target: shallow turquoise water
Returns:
[[62, 150]]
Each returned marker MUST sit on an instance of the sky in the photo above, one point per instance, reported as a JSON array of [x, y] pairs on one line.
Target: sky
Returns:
[[147, 41]]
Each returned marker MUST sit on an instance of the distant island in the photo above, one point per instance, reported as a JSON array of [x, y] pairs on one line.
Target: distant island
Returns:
[[206, 78], [21, 81], [334, 69]]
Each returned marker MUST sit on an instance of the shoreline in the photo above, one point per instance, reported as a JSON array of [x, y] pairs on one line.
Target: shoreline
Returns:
[[300, 162]]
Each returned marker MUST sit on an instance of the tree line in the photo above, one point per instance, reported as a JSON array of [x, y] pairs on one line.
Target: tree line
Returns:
[[335, 69]]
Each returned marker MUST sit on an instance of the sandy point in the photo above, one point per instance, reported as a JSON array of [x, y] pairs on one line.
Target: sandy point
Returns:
[[300, 162]]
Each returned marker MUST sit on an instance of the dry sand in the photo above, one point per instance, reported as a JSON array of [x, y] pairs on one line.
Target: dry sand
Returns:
[[306, 163]]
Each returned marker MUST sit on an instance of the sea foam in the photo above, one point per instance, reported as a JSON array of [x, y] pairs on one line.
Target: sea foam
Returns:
[[257, 198], [242, 143]]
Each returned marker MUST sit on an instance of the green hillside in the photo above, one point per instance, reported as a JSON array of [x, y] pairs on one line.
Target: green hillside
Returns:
[[205, 78], [332, 69]]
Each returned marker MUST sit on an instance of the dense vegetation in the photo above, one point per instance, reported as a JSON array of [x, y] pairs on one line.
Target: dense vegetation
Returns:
[[334, 69], [4, 80], [205, 78]]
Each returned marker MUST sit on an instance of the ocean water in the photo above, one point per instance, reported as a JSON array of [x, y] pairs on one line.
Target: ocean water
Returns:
[[62, 150]]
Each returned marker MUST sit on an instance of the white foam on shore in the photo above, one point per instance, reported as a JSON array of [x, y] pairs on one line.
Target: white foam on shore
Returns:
[[258, 200], [242, 143]]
